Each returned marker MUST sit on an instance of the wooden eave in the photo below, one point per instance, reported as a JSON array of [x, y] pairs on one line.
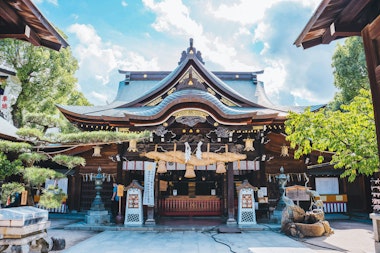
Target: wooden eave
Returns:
[[20, 19], [161, 91], [335, 19]]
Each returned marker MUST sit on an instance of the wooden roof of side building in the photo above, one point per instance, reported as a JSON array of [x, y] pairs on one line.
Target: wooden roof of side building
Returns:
[[21, 19], [335, 19]]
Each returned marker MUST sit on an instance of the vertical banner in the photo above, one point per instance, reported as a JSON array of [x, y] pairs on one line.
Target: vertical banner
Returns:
[[4, 102], [149, 174]]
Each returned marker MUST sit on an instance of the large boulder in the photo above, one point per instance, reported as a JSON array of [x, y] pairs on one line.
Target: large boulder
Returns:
[[314, 216], [292, 214], [320, 228]]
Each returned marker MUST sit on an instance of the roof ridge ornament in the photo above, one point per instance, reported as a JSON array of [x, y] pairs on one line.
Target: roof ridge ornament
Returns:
[[191, 51]]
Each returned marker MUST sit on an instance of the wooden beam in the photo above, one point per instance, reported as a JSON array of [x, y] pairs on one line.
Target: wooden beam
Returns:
[[337, 30], [8, 14], [352, 10], [311, 43], [25, 34], [309, 25]]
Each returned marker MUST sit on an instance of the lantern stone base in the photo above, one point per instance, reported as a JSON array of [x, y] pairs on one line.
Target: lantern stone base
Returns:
[[98, 217], [376, 226], [231, 221]]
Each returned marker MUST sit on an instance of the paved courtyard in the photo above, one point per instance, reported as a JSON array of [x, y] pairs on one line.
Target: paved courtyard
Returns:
[[350, 236]]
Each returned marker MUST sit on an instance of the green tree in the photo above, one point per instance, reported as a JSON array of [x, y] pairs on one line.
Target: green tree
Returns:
[[349, 134], [46, 76], [350, 72], [8, 168]]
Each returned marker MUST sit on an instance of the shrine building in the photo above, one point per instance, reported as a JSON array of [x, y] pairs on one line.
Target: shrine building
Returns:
[[209, 132]]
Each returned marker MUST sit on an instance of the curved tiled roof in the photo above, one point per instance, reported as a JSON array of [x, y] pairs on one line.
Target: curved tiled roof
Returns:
[[185, 96], [149, 96]]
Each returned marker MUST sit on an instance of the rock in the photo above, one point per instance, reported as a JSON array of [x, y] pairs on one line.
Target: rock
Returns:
[[58, 243], [319, 228], [314, 216], [292, 214]]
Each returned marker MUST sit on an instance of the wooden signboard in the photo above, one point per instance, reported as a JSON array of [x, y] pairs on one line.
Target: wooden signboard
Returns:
[[120, 190], [297, 193]]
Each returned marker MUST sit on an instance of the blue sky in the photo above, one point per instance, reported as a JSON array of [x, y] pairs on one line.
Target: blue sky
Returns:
[[233, 35]]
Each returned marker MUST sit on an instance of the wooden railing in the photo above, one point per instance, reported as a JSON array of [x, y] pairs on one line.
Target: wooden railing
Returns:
[[185, 206]]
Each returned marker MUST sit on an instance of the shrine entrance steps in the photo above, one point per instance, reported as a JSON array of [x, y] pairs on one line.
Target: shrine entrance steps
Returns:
[[194, 221]]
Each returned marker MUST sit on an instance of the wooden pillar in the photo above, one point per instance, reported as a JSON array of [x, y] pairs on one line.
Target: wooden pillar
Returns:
[[119, 169], [370, 35], [77, 192], [262, 176], [230, 192], [225, 194]]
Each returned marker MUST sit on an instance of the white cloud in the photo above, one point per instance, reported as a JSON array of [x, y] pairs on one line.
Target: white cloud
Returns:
[[99, 61], [124, 3], [99, 96], [243, 12], [173, 17], [246, 35]]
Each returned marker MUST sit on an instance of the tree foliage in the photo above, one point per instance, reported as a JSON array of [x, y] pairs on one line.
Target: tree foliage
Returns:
[[32, 157], [36, 176], [52, 197], [9, 189], [350, 134], [350, 72], [69, 161], [18, 147], [9, 168], [101, 136], [46, 76]]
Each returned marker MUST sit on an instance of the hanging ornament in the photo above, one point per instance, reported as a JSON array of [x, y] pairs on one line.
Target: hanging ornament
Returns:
[[249, 144], [161, 167], [189, 171], [187, 152], [199, 151], [132, 146], [220, 168], [284, 150], [97, 151]]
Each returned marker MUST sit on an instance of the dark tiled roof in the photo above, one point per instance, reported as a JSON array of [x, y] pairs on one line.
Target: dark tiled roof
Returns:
[[196, 95]]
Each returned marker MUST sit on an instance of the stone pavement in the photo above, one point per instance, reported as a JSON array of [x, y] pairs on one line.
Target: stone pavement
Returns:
[[350, 236], [188, 242]]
